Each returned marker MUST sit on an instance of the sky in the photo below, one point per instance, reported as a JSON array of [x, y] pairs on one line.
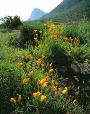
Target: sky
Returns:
[[23, 8]]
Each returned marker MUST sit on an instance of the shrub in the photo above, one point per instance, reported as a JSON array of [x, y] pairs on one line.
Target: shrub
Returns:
[[29, 35]]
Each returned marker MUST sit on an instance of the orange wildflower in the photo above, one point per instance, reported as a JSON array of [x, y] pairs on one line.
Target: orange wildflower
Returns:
[[25, 81], [20, 65], [36, 94], [43, 98], [43, 81], [39, 61], [44, 85]]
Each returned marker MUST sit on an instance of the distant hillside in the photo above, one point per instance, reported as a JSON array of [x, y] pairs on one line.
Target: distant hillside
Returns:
[[70, 10], [36, 14]]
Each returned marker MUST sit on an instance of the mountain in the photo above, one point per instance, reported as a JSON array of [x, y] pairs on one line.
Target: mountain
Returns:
[[36, 14], [70, 10]]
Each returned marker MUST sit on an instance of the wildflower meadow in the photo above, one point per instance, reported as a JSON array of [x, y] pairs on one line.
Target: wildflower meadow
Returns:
[[45, 68]]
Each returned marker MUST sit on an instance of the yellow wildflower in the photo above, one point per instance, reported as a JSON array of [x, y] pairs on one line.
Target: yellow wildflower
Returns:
[[43, 98], [25, 81], [65, 90], [43, 80], [20, 65], [13, 100], [54, 88], [36, 94]]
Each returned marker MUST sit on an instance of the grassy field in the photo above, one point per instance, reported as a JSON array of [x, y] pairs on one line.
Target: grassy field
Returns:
[[49, 72]]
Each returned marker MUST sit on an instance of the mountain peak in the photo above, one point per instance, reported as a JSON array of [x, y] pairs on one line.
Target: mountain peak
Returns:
[[36, 14]]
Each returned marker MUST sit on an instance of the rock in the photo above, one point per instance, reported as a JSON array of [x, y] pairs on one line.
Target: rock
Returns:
[[75, 68], [81, 68], [84, 68]]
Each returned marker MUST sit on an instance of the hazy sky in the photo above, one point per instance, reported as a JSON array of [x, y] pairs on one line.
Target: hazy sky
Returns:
[[23, 8]]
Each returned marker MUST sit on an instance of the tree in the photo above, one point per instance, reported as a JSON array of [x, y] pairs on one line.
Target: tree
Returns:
[[11, 22]]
